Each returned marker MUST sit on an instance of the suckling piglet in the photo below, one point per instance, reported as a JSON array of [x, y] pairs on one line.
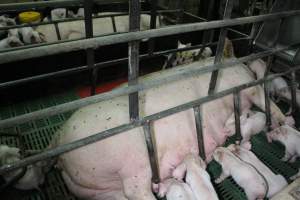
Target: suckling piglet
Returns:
[[245, 175], [175, 190], [252, 123], [34, 175], [290, 138], [275, 182], [193, 168]]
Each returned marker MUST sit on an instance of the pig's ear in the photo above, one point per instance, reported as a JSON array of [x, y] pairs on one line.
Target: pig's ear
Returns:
[[220, 155], [269, 138], [188, 44], [247, 145], [178, 43]]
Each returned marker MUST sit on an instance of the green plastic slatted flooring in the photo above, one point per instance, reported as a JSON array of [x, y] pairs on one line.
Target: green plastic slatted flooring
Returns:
[[38, 134]]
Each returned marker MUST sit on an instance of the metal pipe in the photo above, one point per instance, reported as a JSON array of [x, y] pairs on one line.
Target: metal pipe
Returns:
[[150, 139], [151, 43], [220, 47], [126, 37], [293, 93], [90, 54], [137, 123], [98, 66], [199, 129], [184, 73], [133, 58], [237, 114], [267, 94], [81, 18]]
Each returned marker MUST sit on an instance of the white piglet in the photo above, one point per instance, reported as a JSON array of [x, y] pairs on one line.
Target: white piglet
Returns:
[[34, 175], [252, 123], [175, 190], [9, 42], [193, 167], [243, 174], [275, 182], [290, 138]]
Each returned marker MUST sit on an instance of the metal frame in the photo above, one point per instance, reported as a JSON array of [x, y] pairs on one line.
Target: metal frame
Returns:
[[134, 87]]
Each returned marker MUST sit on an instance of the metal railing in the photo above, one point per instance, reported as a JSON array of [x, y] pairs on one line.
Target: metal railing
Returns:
[[134, 87]]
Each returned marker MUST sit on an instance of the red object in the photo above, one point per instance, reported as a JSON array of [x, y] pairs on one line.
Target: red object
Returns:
[[86, 91]]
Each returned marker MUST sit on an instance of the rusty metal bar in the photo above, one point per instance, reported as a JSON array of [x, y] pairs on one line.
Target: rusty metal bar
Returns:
[[220, 47], [199, 129], [150, 141], [152, 26], [133, 51]]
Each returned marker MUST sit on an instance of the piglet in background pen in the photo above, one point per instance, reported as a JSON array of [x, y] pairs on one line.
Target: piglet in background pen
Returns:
[[245, 175], [275, 182], [252, 123], [34, 175], [193, 168], [174, 189]]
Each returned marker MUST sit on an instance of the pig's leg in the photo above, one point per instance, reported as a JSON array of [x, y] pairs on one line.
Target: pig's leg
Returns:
[[286, 156], [222, 176], [180, 171]]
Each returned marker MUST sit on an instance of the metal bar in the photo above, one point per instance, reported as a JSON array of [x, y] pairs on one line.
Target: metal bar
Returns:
[[186, 72], [237, 114], [108, 133], [57, 31], [152, 26], [126, 37], [199, 129], [133, 51], [220, 47], [54, 4], [97, 65], [114, 24], [150, 139], [81, 18], [293, 93], [90, 54], [267, 94]]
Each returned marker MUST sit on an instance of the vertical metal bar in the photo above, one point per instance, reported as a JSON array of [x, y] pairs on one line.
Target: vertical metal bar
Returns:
[[179, 5], [267, 94], [152, 152], [90, 55], [293, 93], [220, 47], [113, 20], [152, 25], [133, 51], [237, 114], [208, 35], [200, 138]]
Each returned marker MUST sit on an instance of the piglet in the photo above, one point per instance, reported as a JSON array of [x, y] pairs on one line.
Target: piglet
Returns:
[[193, 168], [243, 174], [34, 175], [10, 41], [290, 138], [175, 190], [275, 182], [251, 122]]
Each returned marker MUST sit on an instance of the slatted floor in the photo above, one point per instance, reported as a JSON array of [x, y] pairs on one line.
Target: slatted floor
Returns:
[[38, 134]]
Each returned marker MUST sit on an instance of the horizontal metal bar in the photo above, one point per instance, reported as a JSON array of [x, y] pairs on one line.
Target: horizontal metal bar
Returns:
[[81, 18], [43, 76], [100, 65], [186, 72], [137, 123], [126, 37], [45, 4]]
